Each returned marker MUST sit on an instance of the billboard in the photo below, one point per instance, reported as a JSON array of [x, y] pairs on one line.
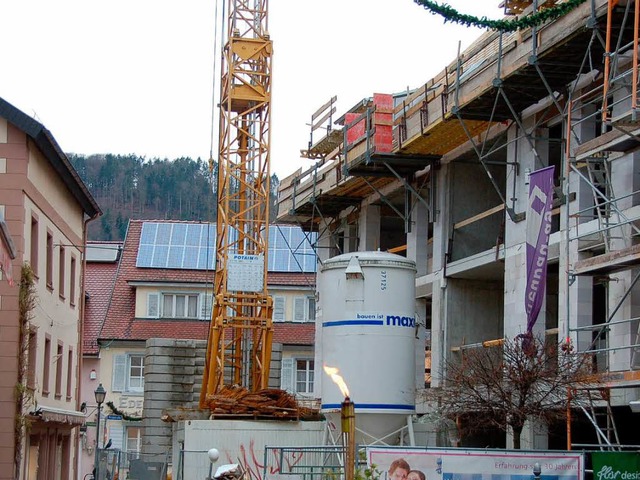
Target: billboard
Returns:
[[616, 465], [461, 464]]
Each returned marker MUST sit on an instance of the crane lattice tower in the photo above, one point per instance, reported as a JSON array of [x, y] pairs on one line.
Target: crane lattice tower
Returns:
[[239, 346]]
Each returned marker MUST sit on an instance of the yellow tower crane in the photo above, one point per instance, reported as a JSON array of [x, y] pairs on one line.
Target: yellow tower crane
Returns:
[[240, 335]]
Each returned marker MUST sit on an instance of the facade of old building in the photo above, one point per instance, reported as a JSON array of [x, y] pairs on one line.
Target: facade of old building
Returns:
[[45, 207]]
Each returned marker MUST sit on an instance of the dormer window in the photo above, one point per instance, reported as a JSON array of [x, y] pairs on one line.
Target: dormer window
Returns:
[[179, 305], [183, 305]]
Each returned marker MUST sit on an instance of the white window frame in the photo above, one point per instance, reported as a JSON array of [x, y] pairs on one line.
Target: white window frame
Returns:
[[205, 306], [153, 305], [121, 381], [299, 309], [174, 300], [311, 308], [309, 379], [289, 375], [302, 308], [130, 452]]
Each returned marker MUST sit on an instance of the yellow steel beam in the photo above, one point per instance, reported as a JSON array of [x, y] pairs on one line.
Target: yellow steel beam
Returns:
[[240, 336]]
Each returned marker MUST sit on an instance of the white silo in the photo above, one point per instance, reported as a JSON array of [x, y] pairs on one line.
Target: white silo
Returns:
[[366, 327]]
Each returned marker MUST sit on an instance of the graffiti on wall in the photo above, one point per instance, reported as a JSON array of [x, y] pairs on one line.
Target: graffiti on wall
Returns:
[[252, 459]]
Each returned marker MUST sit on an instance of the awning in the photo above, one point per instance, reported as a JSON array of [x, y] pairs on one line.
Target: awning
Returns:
[[58, 415]]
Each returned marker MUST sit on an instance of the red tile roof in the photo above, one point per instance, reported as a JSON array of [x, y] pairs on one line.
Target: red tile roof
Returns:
[[120, 322], [294, 333], [99, 282], [292, 279]]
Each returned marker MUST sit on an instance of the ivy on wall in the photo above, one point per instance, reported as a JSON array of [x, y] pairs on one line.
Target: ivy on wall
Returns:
[[24, 395], [124, 416]]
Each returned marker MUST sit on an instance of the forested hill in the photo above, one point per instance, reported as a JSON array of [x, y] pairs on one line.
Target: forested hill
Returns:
[[128, 186]]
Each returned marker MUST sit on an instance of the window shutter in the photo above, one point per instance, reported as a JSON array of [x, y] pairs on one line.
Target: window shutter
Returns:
[[153, 301], [311, 311], [206, 302], [298, 309], [119, 373], [287, 375], [278, 308], [116, 434]]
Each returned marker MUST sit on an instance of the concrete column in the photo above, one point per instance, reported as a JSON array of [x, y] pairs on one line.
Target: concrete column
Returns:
[[515, 281], [575, 300], [438, 324], [439, 283], [624, 182], [369, 228], [535, 436], [417, 239], [323, 249], [423, 335], [515, 317]]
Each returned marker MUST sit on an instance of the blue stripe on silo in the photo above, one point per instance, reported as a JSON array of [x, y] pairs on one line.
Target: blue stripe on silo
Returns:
[[385, 406], [340, 323]]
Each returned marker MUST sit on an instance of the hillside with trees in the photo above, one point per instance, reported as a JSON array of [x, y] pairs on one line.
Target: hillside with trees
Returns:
[[132, 187]]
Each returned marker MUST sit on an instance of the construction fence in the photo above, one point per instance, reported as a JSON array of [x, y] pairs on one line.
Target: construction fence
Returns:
[[115, 464]]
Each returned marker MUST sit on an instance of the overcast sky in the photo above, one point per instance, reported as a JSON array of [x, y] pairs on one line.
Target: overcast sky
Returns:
[[137, 76]]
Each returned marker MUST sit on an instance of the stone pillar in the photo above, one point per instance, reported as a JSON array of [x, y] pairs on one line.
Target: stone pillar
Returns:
[[173, 377], [173, 371]]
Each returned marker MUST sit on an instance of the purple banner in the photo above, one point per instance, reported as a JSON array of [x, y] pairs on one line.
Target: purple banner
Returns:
[[538, 230]]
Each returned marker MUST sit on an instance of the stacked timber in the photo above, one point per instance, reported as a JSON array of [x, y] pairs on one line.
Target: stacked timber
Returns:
[[269, 402]]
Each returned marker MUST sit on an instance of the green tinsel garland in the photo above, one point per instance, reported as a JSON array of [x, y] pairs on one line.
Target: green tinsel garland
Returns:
[[533, 20], [122, 414]]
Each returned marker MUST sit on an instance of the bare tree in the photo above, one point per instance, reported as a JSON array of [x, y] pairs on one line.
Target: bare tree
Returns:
[[507, 385]]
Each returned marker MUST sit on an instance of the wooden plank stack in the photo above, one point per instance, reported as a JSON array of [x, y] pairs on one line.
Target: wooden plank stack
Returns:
[[236, 401]]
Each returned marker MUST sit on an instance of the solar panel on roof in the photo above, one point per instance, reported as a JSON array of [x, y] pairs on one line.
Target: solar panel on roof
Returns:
[[192, 246]]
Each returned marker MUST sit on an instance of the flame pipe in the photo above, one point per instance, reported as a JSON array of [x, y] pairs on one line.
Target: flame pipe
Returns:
[[348, 421]]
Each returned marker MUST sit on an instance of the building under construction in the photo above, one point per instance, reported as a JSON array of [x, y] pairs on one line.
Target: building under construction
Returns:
[[441, 174]]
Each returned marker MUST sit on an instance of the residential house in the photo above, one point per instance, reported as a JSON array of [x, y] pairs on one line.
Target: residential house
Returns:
[[101, 267], [46, 208], [162, 288]]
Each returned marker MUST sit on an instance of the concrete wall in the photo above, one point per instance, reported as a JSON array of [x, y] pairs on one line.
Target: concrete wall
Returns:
[[474, 311], [242, 441], [471, 193]]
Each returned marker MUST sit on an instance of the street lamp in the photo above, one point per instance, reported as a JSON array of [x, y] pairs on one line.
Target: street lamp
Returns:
[[214, 455], [99, 393], [537, 470]]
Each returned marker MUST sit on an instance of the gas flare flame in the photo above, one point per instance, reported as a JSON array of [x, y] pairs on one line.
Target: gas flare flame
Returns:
[[337, 379]]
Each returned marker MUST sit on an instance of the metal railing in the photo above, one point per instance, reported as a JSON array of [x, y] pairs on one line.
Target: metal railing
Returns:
[[116, 464]]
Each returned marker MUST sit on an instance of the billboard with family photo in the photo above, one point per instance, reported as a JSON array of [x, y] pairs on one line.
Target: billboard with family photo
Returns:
[[462, 464]]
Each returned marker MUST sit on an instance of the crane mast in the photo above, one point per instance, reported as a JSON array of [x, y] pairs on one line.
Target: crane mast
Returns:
[[240, 334]]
